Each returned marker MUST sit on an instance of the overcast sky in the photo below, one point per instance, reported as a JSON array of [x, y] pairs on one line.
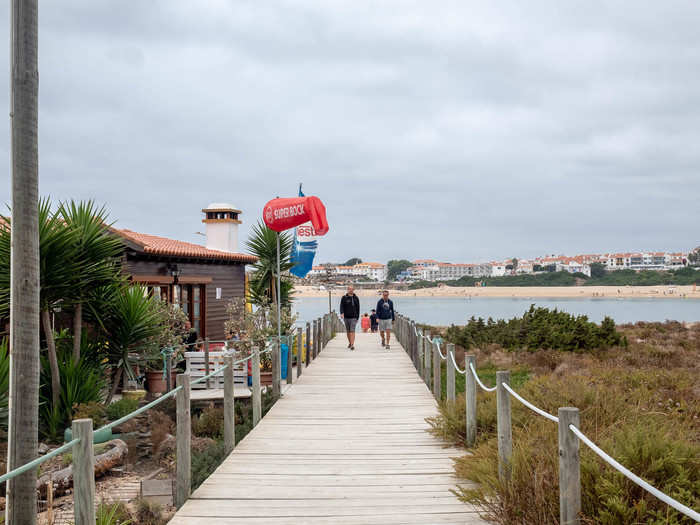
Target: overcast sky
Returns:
[[461, 131]]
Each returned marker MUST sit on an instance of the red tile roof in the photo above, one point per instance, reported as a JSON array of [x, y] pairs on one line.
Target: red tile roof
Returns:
[[163, 246]]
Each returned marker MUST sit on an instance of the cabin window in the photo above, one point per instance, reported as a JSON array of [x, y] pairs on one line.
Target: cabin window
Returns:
[[190, 298]]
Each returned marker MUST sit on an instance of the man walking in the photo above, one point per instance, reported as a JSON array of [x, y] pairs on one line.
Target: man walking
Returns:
[[350, 312], [385, 313]]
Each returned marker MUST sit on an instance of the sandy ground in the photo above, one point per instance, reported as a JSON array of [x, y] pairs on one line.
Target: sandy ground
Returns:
[[662, 292]]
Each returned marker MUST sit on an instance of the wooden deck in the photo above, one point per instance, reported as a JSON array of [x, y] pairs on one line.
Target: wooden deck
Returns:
[[346, 444]]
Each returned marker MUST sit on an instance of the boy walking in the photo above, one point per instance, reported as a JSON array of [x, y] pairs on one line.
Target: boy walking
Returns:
[[385, 313], [350, 312]]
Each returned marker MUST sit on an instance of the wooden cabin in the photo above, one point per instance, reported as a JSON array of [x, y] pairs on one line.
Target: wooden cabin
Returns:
[[200, 279]]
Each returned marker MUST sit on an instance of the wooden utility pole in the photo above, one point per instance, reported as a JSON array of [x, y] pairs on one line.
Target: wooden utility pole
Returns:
[[24, 286]]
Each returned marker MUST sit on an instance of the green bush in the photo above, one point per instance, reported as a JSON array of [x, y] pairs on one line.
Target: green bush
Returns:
[[205, 462], [121, 408], [210, 423], [81, 382], [538, 328], [92, 410], [112, 514], [149, 513]]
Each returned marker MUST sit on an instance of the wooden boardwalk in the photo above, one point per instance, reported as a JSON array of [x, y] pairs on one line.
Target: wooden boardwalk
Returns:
[[346, 444]]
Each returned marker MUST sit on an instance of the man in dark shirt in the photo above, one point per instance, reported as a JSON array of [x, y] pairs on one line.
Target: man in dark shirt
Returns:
[[373, 321], [385, 313], [350, 312]]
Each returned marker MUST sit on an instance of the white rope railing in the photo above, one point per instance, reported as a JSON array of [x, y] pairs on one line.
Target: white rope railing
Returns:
[[530, 405], [634, 478], [454, 363], [437, 343], [482, 385]]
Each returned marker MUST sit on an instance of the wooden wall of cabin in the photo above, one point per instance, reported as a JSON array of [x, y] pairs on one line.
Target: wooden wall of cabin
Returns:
[[229, 277]]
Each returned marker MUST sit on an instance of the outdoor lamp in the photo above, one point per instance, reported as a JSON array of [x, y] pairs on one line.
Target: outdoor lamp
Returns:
[[175, 272]]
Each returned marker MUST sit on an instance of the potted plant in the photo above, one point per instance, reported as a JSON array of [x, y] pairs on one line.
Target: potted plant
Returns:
[[166, 345]]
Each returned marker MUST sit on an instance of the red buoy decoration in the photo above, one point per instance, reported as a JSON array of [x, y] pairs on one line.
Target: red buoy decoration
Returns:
[[283, 214]]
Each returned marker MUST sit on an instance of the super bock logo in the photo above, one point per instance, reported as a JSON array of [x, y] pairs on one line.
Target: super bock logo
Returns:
[[269, 216]]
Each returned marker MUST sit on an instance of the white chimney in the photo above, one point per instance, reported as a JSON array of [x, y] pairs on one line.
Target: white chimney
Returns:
[[222, 222]]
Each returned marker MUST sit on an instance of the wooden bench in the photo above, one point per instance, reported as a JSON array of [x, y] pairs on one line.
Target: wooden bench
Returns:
[[196, 367]]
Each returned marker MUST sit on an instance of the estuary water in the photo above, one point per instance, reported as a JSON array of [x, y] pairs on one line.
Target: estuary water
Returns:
[[443, 311]]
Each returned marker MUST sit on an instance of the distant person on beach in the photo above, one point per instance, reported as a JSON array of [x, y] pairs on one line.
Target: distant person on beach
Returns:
[[385, 313], [350, 312], [365, 323], [374, 322]]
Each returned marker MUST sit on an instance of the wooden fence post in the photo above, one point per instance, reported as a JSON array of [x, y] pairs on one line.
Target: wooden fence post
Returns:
[[451, 393], [308, 343], [206, 361], [276, 369], [437, 372], [290, 366], [300, 351], [419, 357], [83, 472], [470, 398], [569, 468], [427, 356], [414, 347], [183, 440], [505, 436], [257, 402], [229, 406], [315, 347]]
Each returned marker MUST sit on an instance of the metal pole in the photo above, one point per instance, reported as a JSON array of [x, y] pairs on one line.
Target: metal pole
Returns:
[[278, 350]]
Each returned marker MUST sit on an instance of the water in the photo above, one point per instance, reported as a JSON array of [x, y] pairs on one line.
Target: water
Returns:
[[456, 310]]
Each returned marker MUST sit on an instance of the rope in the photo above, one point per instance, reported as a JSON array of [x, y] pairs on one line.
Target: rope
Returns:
[[482, 385], [437, 343], [530, 405], [634, 478], [38, 461], [452, 356]]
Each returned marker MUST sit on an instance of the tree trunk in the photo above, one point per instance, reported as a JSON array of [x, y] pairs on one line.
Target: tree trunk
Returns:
[[77, 330], [115, 385], [53, 359], [24, 287], [63, 479]]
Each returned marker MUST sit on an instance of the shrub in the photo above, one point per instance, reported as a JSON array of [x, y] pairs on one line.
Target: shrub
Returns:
[[149, 513], [205, 462], [112, 514], [210, 423], [646, 419], [91, 410], [81, 382], [121, 408], [538, 328]]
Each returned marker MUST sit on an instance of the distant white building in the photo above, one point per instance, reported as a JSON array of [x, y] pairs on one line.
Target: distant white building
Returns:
[[373, 270]]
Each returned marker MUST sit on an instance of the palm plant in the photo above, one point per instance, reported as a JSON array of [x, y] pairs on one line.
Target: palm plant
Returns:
[[263, 244], [96, 249], [4, 383], [133, 320]]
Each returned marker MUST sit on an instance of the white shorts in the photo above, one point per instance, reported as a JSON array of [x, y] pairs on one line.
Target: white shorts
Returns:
[[384, 324]]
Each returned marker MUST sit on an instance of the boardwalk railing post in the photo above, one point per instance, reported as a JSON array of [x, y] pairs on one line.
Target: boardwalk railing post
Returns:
[[470, 399], [229, 406], [183, 441], [505, 437], [290, 366], [257, 401], [300, 351], [414, 347], [314, 338], [83, 473], [451, 394], [437, 372], [569, 468], [308, 343], [428, 357], [419, 357], [206, 361], [276, 369]]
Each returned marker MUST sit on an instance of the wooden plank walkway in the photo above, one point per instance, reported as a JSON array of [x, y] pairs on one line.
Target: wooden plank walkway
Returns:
[[346, 444]]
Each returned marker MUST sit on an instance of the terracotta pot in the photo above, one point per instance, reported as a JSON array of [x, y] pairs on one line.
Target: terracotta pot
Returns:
[[155, 382]]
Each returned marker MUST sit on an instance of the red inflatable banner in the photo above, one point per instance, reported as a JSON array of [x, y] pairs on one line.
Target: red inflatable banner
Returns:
[[283, 214]]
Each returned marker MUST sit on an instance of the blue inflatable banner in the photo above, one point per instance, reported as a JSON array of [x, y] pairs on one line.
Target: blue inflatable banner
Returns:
[[304, 248]]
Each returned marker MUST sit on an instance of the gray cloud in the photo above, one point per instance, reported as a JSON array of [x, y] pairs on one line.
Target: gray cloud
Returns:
[[460, 131]]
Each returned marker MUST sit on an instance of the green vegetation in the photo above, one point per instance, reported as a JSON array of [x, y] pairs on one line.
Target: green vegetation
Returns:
[[263, 284], [352, 262], [121, 408], [4, 383], [113, 514], [638, 403], [395, 267], [599, 277], [538, 328]]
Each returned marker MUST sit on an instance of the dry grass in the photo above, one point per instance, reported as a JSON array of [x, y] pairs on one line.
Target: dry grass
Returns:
[[641, 404]]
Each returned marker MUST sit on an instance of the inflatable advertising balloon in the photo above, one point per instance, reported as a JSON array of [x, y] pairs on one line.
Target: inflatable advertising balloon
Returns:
[[283, 214]]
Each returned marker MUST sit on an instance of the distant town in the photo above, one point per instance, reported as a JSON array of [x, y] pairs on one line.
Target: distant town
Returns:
[[433, 270]]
